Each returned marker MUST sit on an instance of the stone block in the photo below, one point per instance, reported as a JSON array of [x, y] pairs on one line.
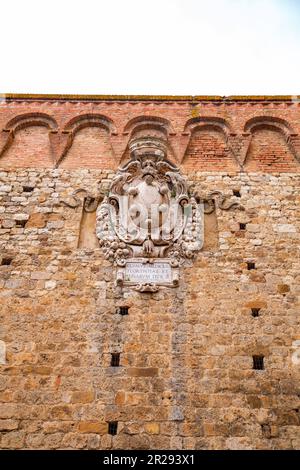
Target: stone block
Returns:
[[120, 398], [40, 275], [253, 228], [83, 396], [8, 425], [50, 285], [5, 188], [37, 220], [152, 428], [21, 216], [56, 224], [142, 371], [283, 288], [94, 427], [8, 223], [285, 228]]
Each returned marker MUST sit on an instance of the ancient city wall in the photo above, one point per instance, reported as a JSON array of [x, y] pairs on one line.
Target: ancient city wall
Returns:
[[186, 377]]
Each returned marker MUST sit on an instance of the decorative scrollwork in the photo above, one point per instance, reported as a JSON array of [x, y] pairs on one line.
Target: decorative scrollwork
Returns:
[[90, 203], [216, 199], [146, 288]]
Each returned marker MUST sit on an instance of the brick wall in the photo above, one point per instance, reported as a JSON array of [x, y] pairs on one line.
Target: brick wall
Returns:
[[206, 136]]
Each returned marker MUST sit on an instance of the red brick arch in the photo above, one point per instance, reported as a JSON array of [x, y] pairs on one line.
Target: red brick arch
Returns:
[[22, 121], [281, 151], [200, 133], [78, 123]]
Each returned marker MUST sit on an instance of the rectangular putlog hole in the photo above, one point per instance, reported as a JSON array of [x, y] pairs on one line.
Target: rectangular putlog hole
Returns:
[[122, 310], [255, 312], [21, 223], [28, 189], [258, 362], [115, 360], [113, 427]]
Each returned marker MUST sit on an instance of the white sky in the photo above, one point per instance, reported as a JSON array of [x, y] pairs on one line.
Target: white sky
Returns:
[[192, 47]]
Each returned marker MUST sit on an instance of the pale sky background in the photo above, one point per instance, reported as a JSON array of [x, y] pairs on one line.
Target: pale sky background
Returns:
[[163, 47]]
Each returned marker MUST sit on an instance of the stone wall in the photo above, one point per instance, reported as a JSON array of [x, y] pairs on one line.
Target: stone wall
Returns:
[[186, 378]]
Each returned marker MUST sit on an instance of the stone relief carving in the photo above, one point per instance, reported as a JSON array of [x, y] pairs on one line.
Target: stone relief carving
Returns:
[[150, 220], [149, 214]]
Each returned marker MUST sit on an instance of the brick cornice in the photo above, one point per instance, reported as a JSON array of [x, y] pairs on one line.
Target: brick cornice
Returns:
[[184, 98]]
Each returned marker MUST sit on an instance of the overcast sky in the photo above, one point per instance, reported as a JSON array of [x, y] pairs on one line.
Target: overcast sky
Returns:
[[192, 47]]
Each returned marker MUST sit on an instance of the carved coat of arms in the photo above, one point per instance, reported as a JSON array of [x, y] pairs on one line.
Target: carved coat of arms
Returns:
[[148, 224]]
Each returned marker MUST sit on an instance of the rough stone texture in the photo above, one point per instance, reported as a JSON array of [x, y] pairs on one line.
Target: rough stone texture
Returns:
[[185, 378]]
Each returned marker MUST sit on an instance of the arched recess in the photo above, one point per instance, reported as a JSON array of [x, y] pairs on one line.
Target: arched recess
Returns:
[[148, 121], [206, 146], [86, 142], [144, 126], [36, 150], [273, 145], [217, 122], [259, 121]]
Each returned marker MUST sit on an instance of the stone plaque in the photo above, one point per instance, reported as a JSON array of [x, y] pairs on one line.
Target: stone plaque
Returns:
[[148, 273]]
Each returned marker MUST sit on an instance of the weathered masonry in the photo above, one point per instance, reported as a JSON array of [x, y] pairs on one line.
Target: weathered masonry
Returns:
[[123, 334]]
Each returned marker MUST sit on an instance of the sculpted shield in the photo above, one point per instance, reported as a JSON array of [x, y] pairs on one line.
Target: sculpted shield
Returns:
[[149, 224]]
